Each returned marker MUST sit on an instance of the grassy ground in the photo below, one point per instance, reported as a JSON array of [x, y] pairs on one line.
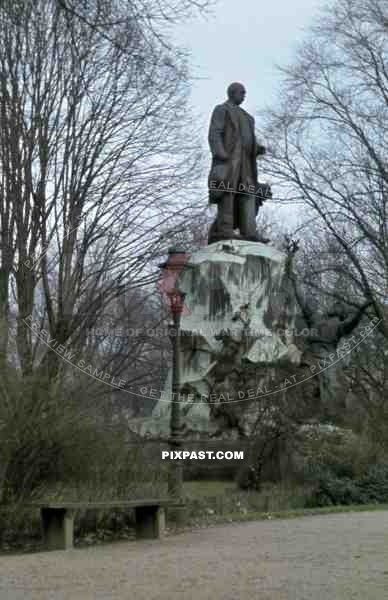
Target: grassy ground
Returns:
[[225, 496], [213, 502], [203, 489]]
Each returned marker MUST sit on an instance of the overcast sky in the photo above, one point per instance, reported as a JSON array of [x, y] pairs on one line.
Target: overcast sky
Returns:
[[242, 41]]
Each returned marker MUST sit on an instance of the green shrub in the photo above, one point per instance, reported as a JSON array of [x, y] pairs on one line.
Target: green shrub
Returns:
[[51, 446], [371, 488], [374, 485], [336, 451], [341, 467], [331, 490]]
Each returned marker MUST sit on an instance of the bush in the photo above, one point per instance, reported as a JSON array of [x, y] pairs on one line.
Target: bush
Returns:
[[52, 447], [371, 488], [335, 451], [341, 467], [331, 490], [374, 485]]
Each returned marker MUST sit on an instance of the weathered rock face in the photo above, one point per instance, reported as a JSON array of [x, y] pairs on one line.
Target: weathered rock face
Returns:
[[237, 335]]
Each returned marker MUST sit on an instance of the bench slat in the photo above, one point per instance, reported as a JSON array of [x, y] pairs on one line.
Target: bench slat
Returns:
[[107, 504]]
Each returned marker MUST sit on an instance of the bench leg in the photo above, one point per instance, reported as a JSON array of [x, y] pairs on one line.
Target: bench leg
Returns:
[[58, 527], [150, 522]]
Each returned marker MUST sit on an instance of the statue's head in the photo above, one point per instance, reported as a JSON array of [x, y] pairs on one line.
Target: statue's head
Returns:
[[337, 309], [236, 93]]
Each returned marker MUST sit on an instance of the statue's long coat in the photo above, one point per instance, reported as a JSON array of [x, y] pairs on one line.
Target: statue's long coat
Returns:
[[224, 134]]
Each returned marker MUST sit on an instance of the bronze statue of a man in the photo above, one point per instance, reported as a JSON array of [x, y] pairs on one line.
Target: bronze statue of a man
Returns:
[[233, 184]]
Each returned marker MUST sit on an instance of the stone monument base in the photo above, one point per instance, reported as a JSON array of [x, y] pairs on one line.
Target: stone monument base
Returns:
[[236, 337]]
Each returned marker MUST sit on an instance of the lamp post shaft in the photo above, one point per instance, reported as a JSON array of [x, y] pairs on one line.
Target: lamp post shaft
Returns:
[[175, 299], [175, 482]]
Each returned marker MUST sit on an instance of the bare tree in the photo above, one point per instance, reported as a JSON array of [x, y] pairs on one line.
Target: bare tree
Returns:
[[94, 159], [329, 141], [98, 162]]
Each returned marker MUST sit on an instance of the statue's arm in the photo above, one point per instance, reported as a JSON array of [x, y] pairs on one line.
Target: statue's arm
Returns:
[[351, 322], [260, 149], [216, 133]]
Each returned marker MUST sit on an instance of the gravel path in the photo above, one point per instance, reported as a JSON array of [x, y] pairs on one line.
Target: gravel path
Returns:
[[327, 557]]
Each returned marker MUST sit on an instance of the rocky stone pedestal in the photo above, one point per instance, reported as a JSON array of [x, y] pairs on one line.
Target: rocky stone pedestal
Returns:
[[238, 333]]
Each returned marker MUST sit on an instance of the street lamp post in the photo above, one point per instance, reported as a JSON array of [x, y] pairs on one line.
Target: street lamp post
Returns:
[[175, 482], [175, 300]]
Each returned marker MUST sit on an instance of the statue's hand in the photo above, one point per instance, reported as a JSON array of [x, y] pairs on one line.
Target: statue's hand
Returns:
[[260, 150], [222, 156]]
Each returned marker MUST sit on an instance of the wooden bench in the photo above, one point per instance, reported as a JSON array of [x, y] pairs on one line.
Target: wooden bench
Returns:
[[58, 518]]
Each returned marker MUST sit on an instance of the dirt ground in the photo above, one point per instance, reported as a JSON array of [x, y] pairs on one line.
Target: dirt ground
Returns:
[[327, 557]]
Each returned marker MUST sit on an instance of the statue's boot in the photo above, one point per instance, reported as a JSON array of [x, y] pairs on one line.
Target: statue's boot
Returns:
[[246, 211], [222, 227]]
